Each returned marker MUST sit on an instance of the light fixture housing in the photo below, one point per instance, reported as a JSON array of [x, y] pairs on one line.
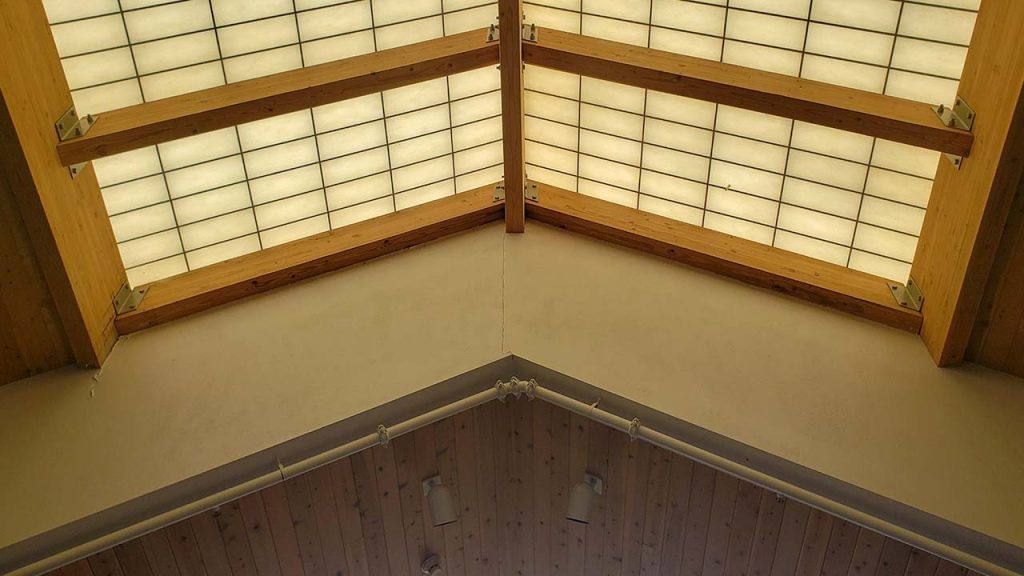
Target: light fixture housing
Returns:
[[440, 501], [431, 566], [582, 496]]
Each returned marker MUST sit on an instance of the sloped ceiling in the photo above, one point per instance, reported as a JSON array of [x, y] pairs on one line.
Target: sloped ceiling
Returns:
[[510, 467], [835, 394]]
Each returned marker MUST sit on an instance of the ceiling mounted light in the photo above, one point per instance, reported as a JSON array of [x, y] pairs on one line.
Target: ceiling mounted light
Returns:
[[440, 501], [431, 566], [581, 497]]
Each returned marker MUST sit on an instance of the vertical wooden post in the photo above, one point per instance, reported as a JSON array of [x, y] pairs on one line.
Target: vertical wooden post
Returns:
[[968, 208], [510, 27], [64, 220]]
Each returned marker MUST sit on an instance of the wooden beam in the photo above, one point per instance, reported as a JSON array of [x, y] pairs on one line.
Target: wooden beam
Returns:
[[847, 109], [968, 209], [275, 267], [510, 26], [64, 219], [806, 278], [232, 104]]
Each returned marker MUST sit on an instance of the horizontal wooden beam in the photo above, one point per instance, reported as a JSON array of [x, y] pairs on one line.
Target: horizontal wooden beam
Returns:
[[275, 267], [806, 278], [232, 104], [847, 109]]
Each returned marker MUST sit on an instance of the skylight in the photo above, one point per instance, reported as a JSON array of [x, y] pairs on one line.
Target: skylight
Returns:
[[840, 197]]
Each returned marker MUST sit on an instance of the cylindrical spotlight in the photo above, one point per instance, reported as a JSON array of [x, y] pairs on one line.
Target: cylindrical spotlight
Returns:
[[581, 496], [440, 501]]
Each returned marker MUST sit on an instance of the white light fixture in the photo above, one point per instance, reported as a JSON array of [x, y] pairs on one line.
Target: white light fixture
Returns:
[[431, 566], [581, 497], [439, 499]]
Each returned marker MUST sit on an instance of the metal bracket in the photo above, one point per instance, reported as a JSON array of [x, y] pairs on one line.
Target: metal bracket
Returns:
[[383, 438], [529, 33], [634, 429], [908, 296], [499, 192], [127, 299], [531, 191], [961, 116], [69, 126]]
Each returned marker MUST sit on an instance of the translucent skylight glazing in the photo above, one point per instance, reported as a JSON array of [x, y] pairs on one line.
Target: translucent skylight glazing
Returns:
[[845, 198], [200, 200]]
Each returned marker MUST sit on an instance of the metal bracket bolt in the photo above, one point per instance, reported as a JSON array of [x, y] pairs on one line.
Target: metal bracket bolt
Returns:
[[960, 116], [127, 299], [908, 296], [69, 126]]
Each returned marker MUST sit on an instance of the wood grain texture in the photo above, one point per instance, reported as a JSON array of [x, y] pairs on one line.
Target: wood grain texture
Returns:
[[64, 219], [839, 107], [997, 339], [792, 274], [968, 208], [660, 514], [240, 102], [510, 20], [265, 270]]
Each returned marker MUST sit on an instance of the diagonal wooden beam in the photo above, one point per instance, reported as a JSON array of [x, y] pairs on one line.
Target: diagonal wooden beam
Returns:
[[968, 209], [279, 266], [232, 104], [510, 26], [847, 109], [778, 270]]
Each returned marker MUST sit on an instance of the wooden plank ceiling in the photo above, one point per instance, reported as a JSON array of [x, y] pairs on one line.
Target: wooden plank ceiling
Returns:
[[510, 467]]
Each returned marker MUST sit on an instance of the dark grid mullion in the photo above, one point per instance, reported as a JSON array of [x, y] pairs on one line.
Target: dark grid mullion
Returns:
[[312, 122], [643, 125], [579, 110], [874, 142], [792, 128], [384, 119], [156, 149], [238, 138], [714, 122], [448, 95]]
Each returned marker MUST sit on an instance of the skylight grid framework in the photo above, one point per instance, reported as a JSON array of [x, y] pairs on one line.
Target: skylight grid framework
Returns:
[[844, 198], [190, 203]]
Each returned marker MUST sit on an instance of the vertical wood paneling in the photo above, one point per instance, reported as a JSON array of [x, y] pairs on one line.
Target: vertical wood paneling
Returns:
[[236, 543], [744, 523], [597, 463], [675, 522], [633, 517], [185, 549], [411, 494], [579, 436], [445, 446], [325, 508], [465, 468], [702, 490], [654, 515], [391, 510], [258, 531], [368, 502], [300, 502], [105, 564], [867, 553], [348, 514], [766, 533], [427, 465], [542, 487], [488, 496], [560, 423], [132, 557], [615, 501], [282, 530], [211, 546], [815, 544], [510, 467], [159, 554], [895, 556]]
